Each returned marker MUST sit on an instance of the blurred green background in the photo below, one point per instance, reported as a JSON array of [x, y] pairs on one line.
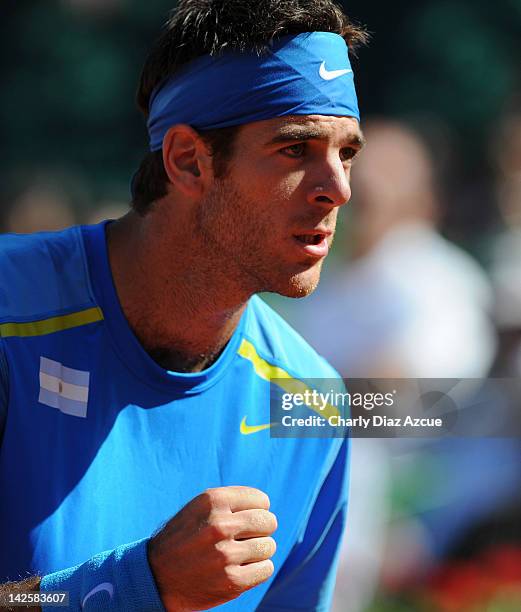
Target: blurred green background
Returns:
[[69, 71]]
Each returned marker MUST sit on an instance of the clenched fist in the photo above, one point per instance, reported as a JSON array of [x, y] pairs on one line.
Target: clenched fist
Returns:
[[214, 549]]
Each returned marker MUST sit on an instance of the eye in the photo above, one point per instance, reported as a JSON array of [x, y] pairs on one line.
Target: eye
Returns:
[[296, 150], [347, 153]]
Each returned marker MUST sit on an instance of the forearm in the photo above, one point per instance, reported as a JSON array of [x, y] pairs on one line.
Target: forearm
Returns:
[[10, 590]]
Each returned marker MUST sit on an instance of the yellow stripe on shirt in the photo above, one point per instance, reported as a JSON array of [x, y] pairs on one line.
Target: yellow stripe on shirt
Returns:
[[281, 378], [51, 325]]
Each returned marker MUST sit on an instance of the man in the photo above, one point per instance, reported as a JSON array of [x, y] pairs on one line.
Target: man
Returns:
[[136, 358]]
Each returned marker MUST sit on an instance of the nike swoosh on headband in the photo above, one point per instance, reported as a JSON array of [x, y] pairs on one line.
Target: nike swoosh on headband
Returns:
[[231, 88], [329, 75]]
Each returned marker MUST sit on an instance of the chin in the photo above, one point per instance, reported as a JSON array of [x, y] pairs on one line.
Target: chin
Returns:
[[302, 284]]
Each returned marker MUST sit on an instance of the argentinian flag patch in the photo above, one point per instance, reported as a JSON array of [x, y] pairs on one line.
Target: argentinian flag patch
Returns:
[[64, 388]]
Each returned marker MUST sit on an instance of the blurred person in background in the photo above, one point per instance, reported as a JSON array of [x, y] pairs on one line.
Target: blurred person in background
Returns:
[[39, 208], [506, 255], [408, 304]]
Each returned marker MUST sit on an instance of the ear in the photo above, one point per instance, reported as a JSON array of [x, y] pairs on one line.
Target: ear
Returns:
[[187, 161]]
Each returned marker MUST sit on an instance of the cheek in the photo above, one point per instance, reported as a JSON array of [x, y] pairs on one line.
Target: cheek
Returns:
[[269, 180]]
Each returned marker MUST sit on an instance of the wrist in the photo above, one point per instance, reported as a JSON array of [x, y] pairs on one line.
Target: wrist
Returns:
[[172, 601], [120, 578]]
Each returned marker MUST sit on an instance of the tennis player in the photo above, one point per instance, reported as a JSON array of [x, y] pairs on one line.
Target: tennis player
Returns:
[[137, 470]]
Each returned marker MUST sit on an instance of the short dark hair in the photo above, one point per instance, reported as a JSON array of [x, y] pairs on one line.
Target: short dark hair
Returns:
[[200, 27]]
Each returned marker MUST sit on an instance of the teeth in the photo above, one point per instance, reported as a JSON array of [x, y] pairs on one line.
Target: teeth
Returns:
[[310, 239]]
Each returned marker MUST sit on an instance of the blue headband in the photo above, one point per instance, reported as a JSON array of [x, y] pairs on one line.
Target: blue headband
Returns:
[[306, 74]]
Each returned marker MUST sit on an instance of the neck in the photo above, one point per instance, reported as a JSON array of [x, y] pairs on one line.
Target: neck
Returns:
[[182, 311]]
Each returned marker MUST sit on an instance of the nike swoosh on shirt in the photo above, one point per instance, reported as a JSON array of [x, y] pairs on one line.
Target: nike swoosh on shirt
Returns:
[[250, 429], [329, 75], [104, 586]]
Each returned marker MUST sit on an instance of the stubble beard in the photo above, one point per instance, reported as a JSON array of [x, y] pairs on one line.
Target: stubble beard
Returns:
[[241, 252]]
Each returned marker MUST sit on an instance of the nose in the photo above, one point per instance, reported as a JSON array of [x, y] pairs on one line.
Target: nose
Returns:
[[330, 186]]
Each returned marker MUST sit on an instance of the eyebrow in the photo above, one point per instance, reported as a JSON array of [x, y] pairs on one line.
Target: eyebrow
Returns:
[[294, 132]]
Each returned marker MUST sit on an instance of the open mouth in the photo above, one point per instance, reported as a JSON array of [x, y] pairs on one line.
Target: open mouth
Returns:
[[313, 244], [310, 238]]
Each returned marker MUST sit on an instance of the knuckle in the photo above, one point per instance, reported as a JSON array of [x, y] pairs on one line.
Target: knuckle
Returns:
[[212, 497], [225, 553], [218, 527], [233, 579]]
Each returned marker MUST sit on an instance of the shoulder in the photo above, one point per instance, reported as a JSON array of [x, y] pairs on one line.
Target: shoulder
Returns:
[[43, 275], [279, 344]]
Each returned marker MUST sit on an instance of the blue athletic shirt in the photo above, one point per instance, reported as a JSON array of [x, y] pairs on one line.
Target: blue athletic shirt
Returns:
[[100, 446]]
